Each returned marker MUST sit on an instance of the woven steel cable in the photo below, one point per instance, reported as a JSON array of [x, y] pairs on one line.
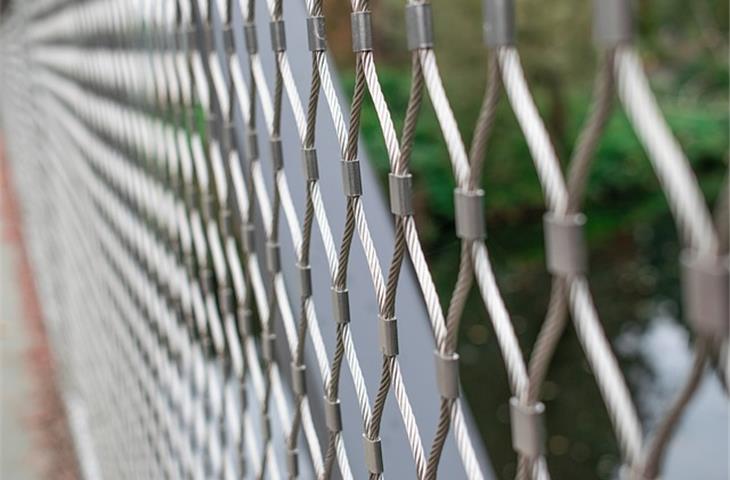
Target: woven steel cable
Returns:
[[70, 250], [556, 303], [298, 366], [579, 166], [370, 253], [226, 154], [160, 89], [694, 221], [477, 251], [463, 443], [182, 122], [279, 293], [387, 315], [268, 335], [144, 186], [365, 238], [339, 286], [222, 152], [671, 166], [372, 260], [159, 425], [142, 370], [595, 344], [245, 311], [39, 137], [170, 99], [230, 280], [450, 410], [266, 214]]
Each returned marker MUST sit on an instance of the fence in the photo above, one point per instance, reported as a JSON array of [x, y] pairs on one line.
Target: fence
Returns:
[[198, 288]]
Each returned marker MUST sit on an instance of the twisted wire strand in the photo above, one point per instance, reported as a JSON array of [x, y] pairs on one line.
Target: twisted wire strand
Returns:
[[298, 361], [171, 99], [462, 172], [401, 167], [160, 426], [595, 344], [464, 445], [216, 195], [688, 207], [340, 277], [579, 167], [272, 240], [663, 434], [238, 348], [671, 166]]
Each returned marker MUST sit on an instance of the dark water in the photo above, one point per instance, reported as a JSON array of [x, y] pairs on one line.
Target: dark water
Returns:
[[634, 281]]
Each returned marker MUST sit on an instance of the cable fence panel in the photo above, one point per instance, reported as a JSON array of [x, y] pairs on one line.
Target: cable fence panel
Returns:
[[227, 290]]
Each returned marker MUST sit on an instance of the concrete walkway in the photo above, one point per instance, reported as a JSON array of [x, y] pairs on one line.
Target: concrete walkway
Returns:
[[34, 436], [17, 460]]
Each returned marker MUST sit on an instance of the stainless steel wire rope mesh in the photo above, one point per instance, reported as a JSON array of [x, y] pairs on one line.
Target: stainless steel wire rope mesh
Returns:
[[139, 138]]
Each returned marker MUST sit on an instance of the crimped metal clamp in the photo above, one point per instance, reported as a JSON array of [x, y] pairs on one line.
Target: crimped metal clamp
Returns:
[[278, 35], [206, 203], [388, 330], [401, 194], [419, 26], [310, 164], [305, 279], [298, 378], [447, 374], [265, 425], [225, 219], [316, 34], [341, 305], [499, 23], [277, 155], [245, 321], [351, 181], [373, 454], [228, 42], [565, 248], [226, 300], [362, 31], [268, 346], [469, 214], [705, 290], [207, 34], [183, 37], [248, 238], [292, 462], [252, 146], [249, 34], [528, 431], [612, 22], [273, 257], [332, 415]]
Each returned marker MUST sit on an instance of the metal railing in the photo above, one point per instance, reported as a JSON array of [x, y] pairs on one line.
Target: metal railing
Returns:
[[198, 287]]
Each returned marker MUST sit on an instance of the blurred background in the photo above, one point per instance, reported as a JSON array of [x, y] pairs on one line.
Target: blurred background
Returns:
[[632, 238]]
